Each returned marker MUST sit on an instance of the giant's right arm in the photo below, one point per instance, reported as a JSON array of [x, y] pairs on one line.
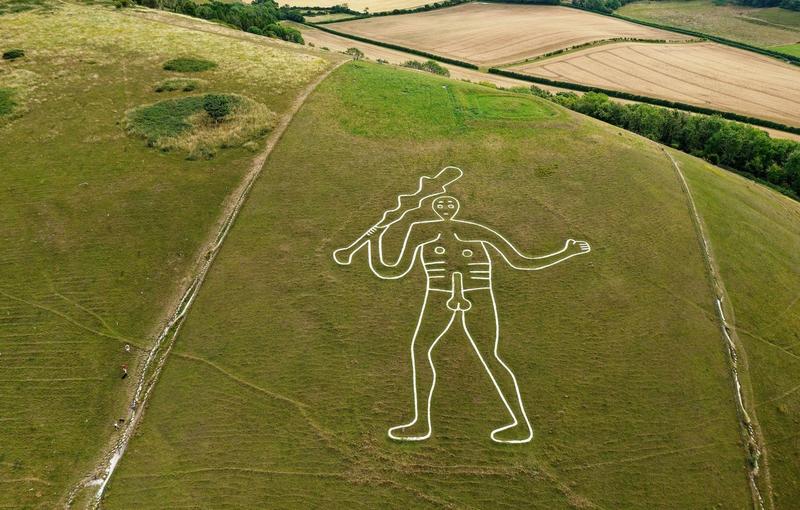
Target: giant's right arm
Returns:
[[413, 241]]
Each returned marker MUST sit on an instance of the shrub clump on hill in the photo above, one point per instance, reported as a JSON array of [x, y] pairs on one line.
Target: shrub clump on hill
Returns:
[[739, 147], [188, 65], [13, 54], [430, 66], [200, 125], [182, 84]]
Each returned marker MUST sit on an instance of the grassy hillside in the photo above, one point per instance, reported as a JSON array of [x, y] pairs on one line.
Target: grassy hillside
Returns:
[[775, 28], [290, 369], [755, 235], [98, 228]]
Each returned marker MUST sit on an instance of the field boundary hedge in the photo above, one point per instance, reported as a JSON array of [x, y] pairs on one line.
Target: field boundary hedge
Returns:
[[647, 99], [720, 40], [396, 47]]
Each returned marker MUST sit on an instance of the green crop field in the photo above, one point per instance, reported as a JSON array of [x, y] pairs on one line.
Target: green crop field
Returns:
[[289, 369], [791, 49], [766, 27], [98, 228]]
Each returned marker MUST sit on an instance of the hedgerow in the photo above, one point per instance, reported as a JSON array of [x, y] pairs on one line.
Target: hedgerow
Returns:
[[431, 66]]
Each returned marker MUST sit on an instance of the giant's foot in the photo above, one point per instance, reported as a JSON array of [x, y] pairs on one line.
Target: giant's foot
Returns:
[[417, 430], [515, 433]]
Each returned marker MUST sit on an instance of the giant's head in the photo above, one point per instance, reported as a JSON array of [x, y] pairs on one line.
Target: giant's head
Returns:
[[446, 207]]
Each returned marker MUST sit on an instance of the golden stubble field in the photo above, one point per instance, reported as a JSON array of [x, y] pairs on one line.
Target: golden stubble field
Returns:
[[335, 43], [706, 74], [359, 5], [493, 34]]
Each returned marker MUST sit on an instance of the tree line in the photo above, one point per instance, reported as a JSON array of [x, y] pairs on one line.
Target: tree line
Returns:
[[739, 147], [261, 17]]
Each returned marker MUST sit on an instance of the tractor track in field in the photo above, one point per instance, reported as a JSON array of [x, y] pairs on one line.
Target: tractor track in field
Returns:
[[750, 430], [150, 370]]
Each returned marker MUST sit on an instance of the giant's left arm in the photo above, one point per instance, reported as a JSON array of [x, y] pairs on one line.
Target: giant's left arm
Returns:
[[518, 260]]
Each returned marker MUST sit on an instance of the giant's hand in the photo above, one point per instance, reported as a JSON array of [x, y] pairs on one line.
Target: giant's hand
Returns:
[[573, 247], [344, 256]]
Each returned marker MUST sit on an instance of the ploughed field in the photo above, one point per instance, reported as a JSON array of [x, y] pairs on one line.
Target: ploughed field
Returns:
[[493, 34], [703, 74]]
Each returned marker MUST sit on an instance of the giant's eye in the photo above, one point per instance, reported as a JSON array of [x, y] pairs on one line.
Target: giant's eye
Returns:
[[439, 206], [451, 206]]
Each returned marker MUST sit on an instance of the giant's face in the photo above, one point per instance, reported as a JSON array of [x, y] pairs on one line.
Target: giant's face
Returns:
[[446, 207]]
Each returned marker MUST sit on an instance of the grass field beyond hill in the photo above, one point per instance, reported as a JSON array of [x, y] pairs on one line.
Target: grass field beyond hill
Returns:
[[766, 27], [290, 368], [755, 235], [98, 228]]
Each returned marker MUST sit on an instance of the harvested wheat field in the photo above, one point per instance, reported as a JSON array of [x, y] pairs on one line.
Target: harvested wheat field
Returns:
[[493, 34], [705, 74], [359, 5], [334, 42]]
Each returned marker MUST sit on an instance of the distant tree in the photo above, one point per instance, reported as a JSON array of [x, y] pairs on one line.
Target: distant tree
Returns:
[[792, 169], [13, 54], [355, 53]]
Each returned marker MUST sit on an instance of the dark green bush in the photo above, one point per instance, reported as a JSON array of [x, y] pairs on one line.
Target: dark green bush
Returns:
[[13, 54], [189, 65], [218, 106]]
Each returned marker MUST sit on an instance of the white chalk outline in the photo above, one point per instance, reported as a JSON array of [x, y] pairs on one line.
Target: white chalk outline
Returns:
[[460, 304]]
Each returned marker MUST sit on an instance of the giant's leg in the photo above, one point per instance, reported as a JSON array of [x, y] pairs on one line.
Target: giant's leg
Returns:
[[482, 327], [434, 321]]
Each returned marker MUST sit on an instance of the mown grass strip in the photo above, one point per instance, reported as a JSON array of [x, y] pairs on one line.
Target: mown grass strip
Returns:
[[394, 47], [647, 99]]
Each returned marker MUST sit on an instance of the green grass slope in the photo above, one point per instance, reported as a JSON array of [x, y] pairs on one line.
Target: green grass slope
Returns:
[[766, 27], [755, 235], [97, 228], [290, 369]]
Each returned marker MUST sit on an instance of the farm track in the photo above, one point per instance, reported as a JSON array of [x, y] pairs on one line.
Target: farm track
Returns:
[[751, 432], [157, 356]]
